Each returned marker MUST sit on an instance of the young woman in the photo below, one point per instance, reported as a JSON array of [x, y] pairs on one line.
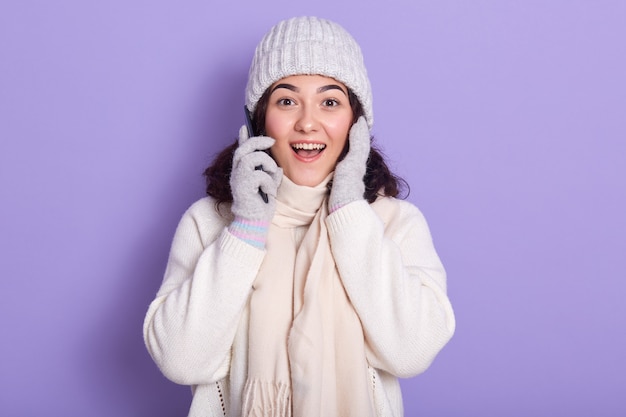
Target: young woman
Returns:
[[301, 286]]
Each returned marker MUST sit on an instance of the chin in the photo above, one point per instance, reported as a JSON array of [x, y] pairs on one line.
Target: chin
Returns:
[[307, 180]]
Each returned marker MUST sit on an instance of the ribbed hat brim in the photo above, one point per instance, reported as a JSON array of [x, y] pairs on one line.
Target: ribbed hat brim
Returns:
[[311, 46]]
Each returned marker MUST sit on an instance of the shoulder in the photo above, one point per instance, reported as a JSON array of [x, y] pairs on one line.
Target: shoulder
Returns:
[[400, 218], [391, 209], [205, 218], [207, 207]]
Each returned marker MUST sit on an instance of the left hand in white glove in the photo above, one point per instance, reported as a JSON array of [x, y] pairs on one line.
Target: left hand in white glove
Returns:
[[348, 185]]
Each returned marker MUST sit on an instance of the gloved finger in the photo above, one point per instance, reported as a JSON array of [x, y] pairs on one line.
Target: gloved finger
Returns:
[[251, 181], [276, 175], [255, 143], [359, 140], [269, 181], [254, 181], [243, 134], [257, 160]]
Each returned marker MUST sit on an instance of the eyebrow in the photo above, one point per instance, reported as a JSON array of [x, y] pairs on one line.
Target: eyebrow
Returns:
[[295, 89], [331, 87]]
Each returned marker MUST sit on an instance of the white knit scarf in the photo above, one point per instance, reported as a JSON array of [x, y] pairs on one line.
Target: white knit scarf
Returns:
[[306, 355]]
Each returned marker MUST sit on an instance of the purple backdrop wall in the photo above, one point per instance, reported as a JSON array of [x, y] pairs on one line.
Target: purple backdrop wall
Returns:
[[507, 118]]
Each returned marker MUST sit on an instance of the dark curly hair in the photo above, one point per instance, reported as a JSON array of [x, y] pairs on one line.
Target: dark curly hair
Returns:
[[379, 180]]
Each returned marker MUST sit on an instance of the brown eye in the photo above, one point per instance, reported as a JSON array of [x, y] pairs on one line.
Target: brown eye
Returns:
[[331, 102], [285, 102]]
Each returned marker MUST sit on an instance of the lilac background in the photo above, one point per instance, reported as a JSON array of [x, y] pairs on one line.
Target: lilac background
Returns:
[[507, 118]]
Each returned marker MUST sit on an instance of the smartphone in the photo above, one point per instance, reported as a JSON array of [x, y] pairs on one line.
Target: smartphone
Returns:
[[250, 134], [248, 121]]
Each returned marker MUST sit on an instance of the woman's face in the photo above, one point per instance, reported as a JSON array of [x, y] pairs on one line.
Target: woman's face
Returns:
[[309, 116]]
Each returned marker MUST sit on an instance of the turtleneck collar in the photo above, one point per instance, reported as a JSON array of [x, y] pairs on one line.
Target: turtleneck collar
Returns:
[[296, 205]]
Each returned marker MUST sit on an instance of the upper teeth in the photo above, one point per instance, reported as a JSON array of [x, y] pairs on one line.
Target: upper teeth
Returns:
[[309, 146]]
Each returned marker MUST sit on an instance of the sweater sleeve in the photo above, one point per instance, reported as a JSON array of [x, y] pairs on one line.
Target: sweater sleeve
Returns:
[[395, 281], [190, 326]]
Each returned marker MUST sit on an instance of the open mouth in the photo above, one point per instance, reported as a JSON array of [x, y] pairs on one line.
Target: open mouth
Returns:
[[308, 150]]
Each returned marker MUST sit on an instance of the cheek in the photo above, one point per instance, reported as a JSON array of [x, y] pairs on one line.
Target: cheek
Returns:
[[270, 126], [340, 131], [280, 151], [341, 125], [276, 124]]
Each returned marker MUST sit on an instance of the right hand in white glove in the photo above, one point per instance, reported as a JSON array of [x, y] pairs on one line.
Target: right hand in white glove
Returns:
[[254, 172]]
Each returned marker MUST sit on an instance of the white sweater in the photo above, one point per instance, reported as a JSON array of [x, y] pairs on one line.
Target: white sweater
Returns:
[[196, 327]]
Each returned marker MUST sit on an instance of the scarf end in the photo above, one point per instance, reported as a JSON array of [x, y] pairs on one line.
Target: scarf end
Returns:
[[266, 399]]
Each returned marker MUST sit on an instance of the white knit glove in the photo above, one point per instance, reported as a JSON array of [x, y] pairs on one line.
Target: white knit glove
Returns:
[[348, 185], [254, 173]]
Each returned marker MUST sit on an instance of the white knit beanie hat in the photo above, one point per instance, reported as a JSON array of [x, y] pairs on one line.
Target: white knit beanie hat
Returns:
[[312, 46]]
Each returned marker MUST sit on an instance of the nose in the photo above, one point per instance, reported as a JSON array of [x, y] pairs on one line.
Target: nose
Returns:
[[307, 120]]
